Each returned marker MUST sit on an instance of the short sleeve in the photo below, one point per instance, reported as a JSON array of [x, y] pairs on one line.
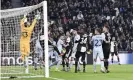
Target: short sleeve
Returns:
[[68, 40], [61, 42], [92, 38], [103, 36], [77, 38]]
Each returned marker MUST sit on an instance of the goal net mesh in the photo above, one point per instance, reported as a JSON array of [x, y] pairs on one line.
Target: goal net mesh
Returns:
[[11, 63]]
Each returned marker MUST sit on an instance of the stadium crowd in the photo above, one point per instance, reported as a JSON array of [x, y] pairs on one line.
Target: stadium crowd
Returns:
[[6, 4], [87, 15]]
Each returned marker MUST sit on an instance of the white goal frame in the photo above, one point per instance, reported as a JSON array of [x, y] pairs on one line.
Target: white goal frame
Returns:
[[45, 36]]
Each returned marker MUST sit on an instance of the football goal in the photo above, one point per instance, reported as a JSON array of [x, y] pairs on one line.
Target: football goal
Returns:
[[20, 57]]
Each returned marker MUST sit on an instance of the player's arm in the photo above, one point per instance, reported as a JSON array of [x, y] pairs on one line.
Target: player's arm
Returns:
[[91, 41], [24, 19], [77, 39], [33, 23], [103, 36], [33, 39], [37, 17]]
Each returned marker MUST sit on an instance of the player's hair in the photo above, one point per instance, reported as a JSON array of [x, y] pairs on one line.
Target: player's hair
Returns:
[[98, 30], [107, 27]]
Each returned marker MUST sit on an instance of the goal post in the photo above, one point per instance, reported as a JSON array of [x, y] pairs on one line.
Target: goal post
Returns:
[[10, 33], [46, 38]]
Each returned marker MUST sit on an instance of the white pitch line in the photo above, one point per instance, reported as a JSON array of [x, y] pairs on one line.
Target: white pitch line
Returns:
[[56, 78], [23, 77]]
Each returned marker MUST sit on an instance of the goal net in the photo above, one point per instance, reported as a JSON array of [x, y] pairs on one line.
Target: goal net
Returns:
[[12, 63]]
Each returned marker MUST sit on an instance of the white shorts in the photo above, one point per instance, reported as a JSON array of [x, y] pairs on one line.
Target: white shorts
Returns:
[[73, 54], [74, 50], [112, 49], [98, 52], [50, 54]]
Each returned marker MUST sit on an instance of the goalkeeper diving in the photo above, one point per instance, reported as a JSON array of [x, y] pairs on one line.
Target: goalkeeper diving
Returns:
[[26, 32]]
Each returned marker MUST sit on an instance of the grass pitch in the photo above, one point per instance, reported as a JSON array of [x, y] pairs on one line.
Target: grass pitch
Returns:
[[117, 72]]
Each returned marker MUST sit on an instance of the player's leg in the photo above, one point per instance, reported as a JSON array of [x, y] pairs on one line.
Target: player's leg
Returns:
[[94, 59], [59, 60], [22, 51], [56, 58], [101, 56], [83, 60], [77, 60], [67, 64], [40, 56], [51, 53], [58, 63], [78, 67], [106, 57], [35, 61], [112, 57], [117, 58], [74, 50], [27, 49], [72, 59], [41, 62], [63, 62], [67, 59]]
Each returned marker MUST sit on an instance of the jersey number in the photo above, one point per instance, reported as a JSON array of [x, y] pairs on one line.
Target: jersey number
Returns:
[[98, 42], [24, 34]]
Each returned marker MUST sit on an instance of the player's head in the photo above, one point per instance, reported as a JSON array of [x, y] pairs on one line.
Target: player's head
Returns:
[[105, 29], [27, 22], [61, 37], [97, 31], [67, 33], [113, 38], [75, 32]]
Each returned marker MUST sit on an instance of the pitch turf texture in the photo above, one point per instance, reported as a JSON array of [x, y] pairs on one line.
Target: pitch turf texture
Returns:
[[118, 72]]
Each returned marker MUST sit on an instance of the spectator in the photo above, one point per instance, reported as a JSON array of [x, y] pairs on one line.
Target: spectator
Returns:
[[80, 16], [86, 15]]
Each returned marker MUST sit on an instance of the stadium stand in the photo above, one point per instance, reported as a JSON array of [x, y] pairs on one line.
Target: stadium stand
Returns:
[[87, 15]]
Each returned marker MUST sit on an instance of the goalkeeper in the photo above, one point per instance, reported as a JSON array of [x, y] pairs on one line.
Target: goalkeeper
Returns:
[[26, 32]]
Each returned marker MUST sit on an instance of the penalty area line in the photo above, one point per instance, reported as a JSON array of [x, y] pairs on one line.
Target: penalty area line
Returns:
[[56, 78]]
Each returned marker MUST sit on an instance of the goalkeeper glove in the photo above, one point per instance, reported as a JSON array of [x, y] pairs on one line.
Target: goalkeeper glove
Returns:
[[38, 16], [25, 15]]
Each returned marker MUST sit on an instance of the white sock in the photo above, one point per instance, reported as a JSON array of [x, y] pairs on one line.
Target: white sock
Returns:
[[102, 65], [71, 64], [94, 65], [78, 66]]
